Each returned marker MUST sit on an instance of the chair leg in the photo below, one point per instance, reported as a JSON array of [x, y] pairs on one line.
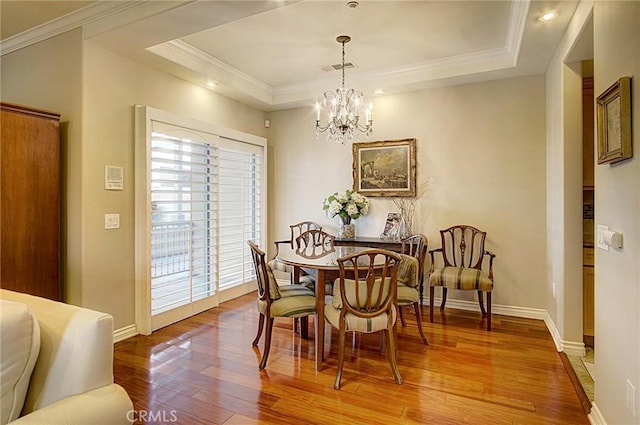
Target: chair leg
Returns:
[[393, 355], [444, 297], [431, 302], [416, 308], [260, 327], [488, 311], [267, 343], [404, 324], [341, 339], [481, 302], [421, 294], [304, 327]]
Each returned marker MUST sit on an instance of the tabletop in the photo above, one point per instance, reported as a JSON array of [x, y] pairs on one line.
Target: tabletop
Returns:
[[317, 257]]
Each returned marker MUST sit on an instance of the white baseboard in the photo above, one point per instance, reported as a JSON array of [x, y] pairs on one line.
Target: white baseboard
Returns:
[[124, 333], [571, 348], [595, 417]]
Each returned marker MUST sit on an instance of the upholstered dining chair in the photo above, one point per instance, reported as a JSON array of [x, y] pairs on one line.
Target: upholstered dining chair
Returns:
[[463, 254], [365, 302], [293, 301], [411, 279]]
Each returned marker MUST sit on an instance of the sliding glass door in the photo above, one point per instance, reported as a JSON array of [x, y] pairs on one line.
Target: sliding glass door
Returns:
[[204, 199]]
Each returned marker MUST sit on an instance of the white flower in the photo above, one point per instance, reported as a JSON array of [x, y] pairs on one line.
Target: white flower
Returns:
[[352, 209], [346, 204], [334, 208]]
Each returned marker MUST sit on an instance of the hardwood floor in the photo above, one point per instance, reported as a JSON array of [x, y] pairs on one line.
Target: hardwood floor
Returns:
[[203, 370]]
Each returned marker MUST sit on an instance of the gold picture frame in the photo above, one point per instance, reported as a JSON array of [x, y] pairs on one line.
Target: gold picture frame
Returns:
[[385, 168], [614, 122]]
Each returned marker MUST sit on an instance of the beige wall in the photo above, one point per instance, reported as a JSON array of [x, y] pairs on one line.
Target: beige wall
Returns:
[[95, 91], [617, 204], [482, 144], [111, 86], [48, 75], [564, 188]]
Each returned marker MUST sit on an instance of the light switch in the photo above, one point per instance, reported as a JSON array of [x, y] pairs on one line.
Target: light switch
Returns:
[[112, 221], [600, 230]]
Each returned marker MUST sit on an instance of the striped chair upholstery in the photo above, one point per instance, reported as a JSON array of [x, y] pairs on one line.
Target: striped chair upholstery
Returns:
[[276, 301], [365, 303], [463, 254], [410, 279], [461, 278]]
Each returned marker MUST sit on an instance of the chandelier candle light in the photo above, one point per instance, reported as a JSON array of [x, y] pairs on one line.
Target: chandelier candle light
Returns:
[[344, 106]]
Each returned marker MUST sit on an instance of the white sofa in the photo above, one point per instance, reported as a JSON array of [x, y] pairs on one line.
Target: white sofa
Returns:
[[57, 364]]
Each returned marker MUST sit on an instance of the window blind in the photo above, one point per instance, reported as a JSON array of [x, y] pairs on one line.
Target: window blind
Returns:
[[206, 202]]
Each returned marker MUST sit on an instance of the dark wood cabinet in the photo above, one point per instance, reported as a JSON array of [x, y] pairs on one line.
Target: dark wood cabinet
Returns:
[[30, 201]]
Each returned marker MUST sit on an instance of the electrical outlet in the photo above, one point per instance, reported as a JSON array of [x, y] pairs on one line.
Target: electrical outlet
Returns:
[[631, 398]]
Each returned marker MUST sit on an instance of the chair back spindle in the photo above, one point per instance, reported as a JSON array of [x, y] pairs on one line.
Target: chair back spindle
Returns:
[[463, 246], [299, 228]]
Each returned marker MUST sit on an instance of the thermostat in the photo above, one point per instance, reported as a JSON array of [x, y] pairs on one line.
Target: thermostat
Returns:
[[113, 178]]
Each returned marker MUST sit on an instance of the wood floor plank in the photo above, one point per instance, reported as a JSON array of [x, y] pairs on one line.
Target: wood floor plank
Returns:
[[204, 370]]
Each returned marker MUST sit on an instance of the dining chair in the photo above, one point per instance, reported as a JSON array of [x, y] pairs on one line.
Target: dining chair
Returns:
[[463, 253], [314, 240], [299, 228], [411, 278], [316, 243], [293, 301], [366, 302]]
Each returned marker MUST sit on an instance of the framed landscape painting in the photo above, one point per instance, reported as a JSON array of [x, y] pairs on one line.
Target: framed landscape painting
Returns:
[[386, 168]]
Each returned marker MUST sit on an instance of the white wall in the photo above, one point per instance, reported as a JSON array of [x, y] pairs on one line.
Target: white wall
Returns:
[[617, 279], [483, 144]]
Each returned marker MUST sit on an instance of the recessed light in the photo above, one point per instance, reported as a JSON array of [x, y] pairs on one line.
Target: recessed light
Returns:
[[548, 16], [378, 91], [211, 84]]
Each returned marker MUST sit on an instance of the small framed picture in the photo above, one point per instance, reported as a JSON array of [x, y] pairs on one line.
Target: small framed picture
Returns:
[[391, 227], [614, 122]]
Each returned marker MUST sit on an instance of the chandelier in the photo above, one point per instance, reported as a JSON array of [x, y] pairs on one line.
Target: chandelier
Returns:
[[343, 108]]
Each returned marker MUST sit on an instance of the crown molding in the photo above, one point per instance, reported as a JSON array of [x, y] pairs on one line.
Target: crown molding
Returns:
[[517, 23], [87, 15], [505, 57], [187, 56], [100, 16]]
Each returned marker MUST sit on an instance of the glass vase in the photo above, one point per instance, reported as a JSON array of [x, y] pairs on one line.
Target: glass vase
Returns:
[[346, 231]]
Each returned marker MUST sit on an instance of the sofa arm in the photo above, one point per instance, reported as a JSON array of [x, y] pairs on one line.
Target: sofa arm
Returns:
[[76, 351], [108, 405]]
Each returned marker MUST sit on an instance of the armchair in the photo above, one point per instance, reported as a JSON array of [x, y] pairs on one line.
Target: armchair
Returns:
[[463, 253]]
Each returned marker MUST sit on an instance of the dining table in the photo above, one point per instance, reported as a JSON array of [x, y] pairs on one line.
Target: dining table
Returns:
[[323, 259]]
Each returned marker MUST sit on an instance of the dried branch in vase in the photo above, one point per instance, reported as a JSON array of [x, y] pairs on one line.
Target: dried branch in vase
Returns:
[[407, 207]]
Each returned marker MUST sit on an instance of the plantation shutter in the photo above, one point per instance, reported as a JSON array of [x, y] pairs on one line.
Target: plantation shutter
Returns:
[[206, 195]]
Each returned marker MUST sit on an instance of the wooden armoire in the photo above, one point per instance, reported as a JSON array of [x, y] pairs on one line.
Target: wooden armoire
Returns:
[[30, 201]]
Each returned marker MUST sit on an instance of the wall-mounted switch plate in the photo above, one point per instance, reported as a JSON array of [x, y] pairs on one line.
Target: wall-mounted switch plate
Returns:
[[112, 221], [600, 243]]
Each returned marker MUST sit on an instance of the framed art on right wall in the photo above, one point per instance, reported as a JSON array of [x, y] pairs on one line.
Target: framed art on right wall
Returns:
[[614, 122]]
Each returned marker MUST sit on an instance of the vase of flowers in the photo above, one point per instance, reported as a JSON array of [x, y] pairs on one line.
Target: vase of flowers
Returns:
[[348, 205]]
